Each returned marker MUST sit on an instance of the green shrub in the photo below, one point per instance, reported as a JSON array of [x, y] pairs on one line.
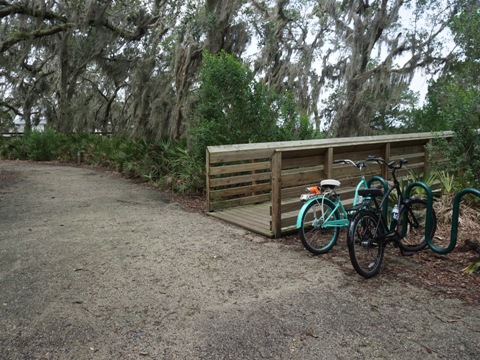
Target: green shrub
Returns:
[[234, 108], [14, 148], [42, 145]]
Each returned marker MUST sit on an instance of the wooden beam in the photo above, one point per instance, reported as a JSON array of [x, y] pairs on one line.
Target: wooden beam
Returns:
[[207, 174], [426, 160], [277, 194], [386, 157], [328, 165]]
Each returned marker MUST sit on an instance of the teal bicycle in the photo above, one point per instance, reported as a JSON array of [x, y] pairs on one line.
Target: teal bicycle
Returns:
[[323, 214]]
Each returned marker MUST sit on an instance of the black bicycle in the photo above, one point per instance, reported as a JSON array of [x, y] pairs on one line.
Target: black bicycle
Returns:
[[372, 229]]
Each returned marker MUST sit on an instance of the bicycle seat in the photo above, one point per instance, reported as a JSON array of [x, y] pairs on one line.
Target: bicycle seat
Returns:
[[370, 192], [330, 183]]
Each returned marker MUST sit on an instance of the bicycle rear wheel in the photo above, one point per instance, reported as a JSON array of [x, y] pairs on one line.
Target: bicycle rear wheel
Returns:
[[366, 253], [315, 237], [411, 225]]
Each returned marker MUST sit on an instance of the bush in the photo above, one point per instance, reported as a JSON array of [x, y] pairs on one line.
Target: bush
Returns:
[[13, 148], [233, 108], [43, 145], [463, 156], [166, 164]]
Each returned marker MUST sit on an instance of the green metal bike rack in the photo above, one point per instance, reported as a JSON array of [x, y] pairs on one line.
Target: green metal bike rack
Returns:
[[428, 224], [456, 208], [454, 231], [385, 189]]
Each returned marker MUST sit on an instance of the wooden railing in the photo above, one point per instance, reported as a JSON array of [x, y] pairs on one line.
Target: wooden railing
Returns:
[[240, 175]]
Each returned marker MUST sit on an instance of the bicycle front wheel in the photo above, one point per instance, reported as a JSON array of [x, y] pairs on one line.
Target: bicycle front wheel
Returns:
[[315, 237], [366, 251], [411, 225]]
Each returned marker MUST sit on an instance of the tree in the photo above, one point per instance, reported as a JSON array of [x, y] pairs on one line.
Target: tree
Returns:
[[131, 66], [72, 47], [234, 108], [453, 100]]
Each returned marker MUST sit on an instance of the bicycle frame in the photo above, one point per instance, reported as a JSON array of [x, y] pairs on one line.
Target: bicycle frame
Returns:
[[392, 226], [391, 233], [337, 205]]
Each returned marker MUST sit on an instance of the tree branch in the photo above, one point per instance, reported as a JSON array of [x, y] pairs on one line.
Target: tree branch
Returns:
[[20, 9], [19, 37], [9, 107], [9, 9]]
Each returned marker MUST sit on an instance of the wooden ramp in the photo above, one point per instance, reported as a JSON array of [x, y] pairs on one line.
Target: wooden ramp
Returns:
[[256, 218]]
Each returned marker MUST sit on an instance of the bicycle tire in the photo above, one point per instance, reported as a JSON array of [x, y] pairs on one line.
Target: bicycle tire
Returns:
[[314, 237], [412, 237], [366, 254]]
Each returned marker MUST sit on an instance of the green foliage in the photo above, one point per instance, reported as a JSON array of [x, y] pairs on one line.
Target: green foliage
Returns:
[[6, 122], [452, 100], [14, 148], [465, 29], [388, 119], [166, 164], [474, 267], [183, 171], [43, 145], [234, 108], [452, 104], [128, 156], [448, 183], [428, 179], [462, 154]]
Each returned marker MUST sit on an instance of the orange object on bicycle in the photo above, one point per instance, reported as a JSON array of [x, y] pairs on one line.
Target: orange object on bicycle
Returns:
[[314, 190]]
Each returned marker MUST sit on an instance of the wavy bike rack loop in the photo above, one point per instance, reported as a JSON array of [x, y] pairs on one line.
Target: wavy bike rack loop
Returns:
[[456, 208]]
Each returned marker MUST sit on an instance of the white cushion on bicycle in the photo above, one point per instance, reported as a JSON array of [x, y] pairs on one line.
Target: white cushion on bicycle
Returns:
[[330, 182]]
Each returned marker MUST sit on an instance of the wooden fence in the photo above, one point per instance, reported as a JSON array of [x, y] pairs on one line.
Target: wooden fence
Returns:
[[257, 186]]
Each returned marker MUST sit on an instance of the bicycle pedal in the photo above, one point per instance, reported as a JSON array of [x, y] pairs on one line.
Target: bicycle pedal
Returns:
[[390, 234], [407, 253]]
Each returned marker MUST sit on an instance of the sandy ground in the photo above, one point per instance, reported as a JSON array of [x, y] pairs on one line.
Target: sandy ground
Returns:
[[93, 266]]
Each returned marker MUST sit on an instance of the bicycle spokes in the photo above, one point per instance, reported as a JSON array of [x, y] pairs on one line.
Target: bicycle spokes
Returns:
[[365, 248]]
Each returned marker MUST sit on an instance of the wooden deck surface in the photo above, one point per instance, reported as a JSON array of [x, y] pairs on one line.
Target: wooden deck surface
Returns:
[[255, 218]]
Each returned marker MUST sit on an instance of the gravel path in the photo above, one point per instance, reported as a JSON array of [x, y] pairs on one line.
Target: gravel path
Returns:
[[93, 266]]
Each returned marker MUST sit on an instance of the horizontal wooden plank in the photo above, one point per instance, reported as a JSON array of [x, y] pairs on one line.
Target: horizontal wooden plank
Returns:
[[356, 152], [289, 220], [239, 168], [235, 156], [303, 161], [219, 205], [308, 152], [259, 229], [405, 151], [294, 145], [241, 179], [341, 172], [254, 217], [240, 190], [294, 206], [301, 178], [295, 192]]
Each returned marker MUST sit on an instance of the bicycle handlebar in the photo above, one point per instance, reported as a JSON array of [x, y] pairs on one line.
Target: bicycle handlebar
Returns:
[[358, 164], [391, 165]]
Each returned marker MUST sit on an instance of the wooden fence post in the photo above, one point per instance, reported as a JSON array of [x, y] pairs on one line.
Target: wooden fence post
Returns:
[[276, 163], [426, 159], [328, 165], [386, 157], [207, 180]]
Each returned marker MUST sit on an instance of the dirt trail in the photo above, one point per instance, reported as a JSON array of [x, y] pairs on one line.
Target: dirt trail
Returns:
[[93, 266]]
